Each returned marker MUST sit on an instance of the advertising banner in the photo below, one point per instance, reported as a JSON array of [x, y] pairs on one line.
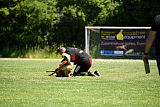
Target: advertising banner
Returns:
[[123, 42]]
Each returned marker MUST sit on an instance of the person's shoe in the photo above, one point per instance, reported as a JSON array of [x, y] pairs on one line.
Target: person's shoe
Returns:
[[97, 73], [90, 73]]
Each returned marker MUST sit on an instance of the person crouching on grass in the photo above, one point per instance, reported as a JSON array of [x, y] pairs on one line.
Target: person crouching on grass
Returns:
[[64, 68], [81, 59]]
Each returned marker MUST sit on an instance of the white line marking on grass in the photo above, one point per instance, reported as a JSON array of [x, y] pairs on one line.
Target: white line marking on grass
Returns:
[[121, 60], [98, 60], [26, 59]]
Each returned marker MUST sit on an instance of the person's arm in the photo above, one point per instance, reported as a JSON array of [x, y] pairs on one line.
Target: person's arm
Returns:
[[64, 62], [149, 41]]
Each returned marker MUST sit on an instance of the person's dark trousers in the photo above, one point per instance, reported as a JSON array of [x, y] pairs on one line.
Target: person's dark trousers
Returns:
[[158, 63]]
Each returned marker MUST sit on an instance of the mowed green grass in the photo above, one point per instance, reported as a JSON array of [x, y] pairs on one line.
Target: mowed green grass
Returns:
[[123, 84]]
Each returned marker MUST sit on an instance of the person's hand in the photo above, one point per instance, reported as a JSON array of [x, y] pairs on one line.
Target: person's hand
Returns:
[[57, 69], [145, 57]]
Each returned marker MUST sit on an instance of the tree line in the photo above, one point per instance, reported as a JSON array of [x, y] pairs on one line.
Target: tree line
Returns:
[[32, 23]]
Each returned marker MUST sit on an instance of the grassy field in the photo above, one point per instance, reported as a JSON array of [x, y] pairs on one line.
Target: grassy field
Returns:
[[123, 84]]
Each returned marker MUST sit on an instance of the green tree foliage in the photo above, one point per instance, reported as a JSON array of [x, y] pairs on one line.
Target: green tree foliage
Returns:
[[30, 23]]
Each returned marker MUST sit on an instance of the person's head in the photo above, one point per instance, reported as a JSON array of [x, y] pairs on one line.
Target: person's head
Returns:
[[61, 50]]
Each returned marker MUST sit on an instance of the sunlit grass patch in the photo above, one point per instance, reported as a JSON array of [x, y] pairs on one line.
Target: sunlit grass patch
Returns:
[[123, 83]]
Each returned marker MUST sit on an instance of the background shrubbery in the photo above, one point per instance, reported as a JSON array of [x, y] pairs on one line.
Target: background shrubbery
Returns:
[[26, 24]]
